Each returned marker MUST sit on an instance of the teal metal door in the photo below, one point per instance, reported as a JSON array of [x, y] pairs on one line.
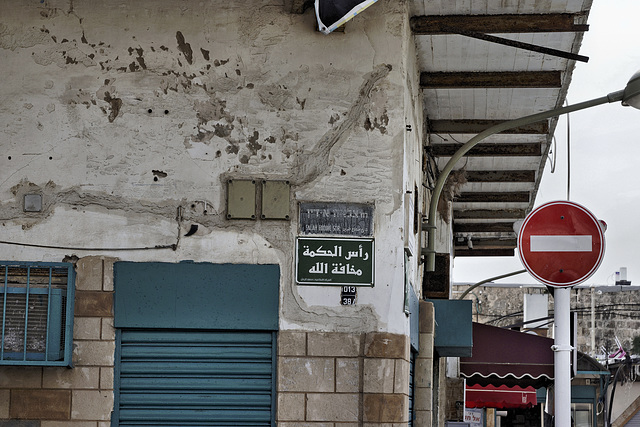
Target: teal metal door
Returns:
[[196, 344]]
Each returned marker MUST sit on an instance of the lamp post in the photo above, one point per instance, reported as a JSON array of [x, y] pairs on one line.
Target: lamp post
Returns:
[[562, 348], [629, 96]]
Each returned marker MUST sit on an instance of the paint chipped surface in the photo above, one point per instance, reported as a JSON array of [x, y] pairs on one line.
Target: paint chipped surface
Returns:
[[121, 112]]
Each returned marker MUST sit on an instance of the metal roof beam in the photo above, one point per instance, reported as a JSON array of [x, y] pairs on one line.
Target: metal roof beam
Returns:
[[526, 46], [491, 79], [483, 227], [489, 214], [484, 252], [501, 176], [485, 243], [505, 197], [479, 125], [495, 24], [489, 150]]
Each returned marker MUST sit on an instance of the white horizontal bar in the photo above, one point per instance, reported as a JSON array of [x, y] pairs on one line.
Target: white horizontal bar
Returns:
[[560, 244]]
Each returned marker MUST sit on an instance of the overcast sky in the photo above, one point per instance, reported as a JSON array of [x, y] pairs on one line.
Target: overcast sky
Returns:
[[605, 150]]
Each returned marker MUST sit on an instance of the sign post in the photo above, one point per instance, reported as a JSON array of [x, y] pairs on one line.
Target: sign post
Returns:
[[561, 244]]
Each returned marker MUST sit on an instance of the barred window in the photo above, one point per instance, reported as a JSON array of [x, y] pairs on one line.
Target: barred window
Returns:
[[36, 301]]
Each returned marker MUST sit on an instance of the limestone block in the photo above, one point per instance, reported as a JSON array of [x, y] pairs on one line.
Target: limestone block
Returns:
[[107, 279], [92, 303], [386, 408], [401, 377], [347, 375], [106, 378], [86, 328], [40, 404], [77, 378], [20, 423], [378, 375], [333, 344], [292, 343], [91, 405], [68, 424], [291, 406], [20, 377], [423, 400], [424, 372], [427, 318], [89, 273], [304, 424], [108, 330], [306, 374], [383, 344], [94, 353], [423, 418], [333, 407], [426, 346], [4, 404]]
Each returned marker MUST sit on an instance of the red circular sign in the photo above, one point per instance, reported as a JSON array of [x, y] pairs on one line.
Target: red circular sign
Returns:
[[561, 243]]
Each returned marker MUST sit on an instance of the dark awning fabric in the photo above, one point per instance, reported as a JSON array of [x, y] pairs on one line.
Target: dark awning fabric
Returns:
[[500, 397], [333, 13], [506, 357]]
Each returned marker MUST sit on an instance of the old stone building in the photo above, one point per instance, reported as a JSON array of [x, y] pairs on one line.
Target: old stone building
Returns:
[[213, 213], [603, 313]]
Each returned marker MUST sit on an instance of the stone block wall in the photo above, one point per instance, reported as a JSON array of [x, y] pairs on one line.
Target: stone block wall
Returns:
[[328, 379], [423, 400], [77, 397]]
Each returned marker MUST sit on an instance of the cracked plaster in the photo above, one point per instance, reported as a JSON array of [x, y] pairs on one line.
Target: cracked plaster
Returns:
[[132, 102]]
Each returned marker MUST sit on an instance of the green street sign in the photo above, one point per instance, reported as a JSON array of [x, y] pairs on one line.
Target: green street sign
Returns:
[[334, 262]]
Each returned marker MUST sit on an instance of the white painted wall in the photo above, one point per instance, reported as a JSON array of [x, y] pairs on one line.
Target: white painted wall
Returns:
[[121, 113]]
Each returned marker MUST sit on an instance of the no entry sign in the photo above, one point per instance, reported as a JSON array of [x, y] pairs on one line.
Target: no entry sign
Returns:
[[561, 243]]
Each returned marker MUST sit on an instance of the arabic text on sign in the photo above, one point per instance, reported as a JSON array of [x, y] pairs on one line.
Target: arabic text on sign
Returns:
[[336, 268], [336, 252]]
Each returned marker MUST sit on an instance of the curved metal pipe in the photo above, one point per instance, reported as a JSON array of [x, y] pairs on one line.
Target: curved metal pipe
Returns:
[[465, 293], [431, 227]]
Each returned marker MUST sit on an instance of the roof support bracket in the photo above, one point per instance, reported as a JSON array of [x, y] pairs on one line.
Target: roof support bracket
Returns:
[[522, 45]]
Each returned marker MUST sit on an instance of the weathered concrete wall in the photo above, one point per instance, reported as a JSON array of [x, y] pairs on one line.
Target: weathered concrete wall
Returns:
[[128, 118]]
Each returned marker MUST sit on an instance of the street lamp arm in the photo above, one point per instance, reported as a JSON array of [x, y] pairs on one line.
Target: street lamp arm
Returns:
[[430, 227], [491, 279]]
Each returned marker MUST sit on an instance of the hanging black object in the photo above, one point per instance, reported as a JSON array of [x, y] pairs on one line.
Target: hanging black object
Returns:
[[333, 13]]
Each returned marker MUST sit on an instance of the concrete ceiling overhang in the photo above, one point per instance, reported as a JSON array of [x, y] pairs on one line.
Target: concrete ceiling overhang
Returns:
[[482, 63]]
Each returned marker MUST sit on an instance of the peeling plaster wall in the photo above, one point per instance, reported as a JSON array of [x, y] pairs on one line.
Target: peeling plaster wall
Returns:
[[129, 117]]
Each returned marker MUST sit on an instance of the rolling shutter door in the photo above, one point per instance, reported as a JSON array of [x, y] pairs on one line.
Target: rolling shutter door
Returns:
[[196, 344], [195, 378]]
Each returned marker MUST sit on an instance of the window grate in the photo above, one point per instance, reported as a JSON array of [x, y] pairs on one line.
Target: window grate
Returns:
[[37, 313]]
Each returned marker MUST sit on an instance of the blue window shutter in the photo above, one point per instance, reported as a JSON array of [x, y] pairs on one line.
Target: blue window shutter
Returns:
[[36, 313]]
